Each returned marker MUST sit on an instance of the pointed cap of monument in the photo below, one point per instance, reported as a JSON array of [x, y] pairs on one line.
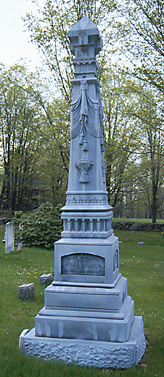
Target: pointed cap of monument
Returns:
[[83, 33], [85, 24]]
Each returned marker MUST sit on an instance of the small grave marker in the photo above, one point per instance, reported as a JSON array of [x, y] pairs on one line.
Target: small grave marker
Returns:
[[26, 291], [9, 237], [45, 279]]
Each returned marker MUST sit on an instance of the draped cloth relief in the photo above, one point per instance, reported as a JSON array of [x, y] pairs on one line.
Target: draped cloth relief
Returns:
[[83, 116]]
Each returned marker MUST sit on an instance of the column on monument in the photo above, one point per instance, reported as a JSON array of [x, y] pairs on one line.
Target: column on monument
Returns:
[[86, 196]]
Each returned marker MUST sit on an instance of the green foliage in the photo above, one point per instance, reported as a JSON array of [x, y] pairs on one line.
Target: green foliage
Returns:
[[17, 217], [128, 103], [48, 28], [136, 29], [34, 141], [41, 228], [19, 122], [121, 132], [54, 159], [35, 119]]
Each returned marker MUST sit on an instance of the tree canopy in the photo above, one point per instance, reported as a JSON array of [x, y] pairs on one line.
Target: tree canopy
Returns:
[[35, 116]]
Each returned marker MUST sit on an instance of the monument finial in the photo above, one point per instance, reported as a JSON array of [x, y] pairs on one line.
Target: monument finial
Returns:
[[84, 32]]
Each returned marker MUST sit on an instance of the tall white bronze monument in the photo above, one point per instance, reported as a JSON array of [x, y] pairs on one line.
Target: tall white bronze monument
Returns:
[[88, 318]]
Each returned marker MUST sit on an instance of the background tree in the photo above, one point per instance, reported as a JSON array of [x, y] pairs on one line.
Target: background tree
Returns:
[[54, 160], [150, 119], [19, 121], [49, 33], [121, 131], [138, 42], [140, 31]]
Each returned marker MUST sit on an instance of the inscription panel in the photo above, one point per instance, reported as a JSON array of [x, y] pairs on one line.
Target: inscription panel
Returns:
[[83, 264]]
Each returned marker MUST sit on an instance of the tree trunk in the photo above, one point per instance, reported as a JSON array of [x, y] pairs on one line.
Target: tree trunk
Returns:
[[154, 201]]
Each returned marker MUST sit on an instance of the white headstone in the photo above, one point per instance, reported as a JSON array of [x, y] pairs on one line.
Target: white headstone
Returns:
[[9, 237]]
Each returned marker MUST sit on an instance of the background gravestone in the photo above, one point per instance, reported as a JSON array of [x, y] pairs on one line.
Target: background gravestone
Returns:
[[26, 291], [9, 237], [45, 279]]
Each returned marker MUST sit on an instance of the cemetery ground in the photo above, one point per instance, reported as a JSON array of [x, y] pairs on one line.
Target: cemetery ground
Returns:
[[143, 265]]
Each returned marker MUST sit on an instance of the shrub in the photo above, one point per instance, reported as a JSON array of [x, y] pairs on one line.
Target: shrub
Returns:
[[17, 217], [41, 228]]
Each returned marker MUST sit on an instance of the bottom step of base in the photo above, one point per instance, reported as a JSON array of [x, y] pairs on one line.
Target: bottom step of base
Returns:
[[87, 353]]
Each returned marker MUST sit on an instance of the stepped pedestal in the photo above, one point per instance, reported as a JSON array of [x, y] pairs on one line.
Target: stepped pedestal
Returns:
[[88, 318]]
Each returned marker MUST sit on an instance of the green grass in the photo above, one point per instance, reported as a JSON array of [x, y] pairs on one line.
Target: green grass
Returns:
[[142, 265], [145, 221]]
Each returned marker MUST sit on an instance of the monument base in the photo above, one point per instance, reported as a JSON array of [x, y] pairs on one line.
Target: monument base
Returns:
[[87, 353]]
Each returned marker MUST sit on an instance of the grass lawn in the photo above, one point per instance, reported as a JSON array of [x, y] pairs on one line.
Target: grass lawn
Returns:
[[142, 265], [145, 221]]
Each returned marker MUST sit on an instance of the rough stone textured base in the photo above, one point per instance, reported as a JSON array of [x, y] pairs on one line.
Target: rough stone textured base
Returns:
[[26, 291], [87, 353]]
